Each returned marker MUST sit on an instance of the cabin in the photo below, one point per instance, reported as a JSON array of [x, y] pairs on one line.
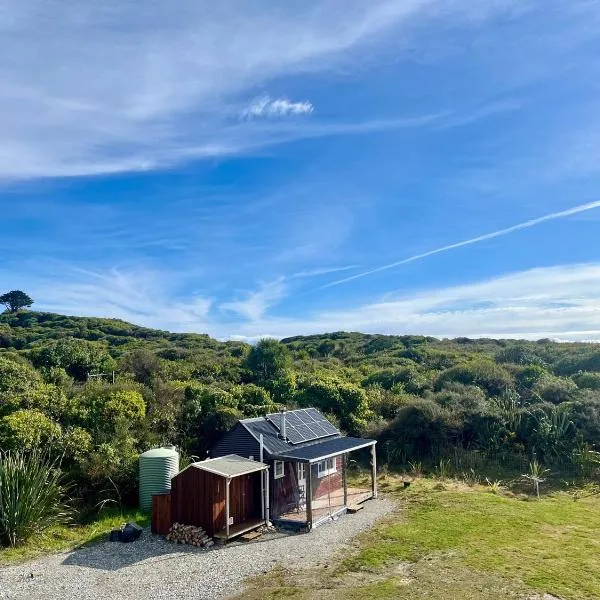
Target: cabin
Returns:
[[224, 496], [308, 465]]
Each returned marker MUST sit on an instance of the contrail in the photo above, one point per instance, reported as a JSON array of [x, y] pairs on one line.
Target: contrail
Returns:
[[480, 238]]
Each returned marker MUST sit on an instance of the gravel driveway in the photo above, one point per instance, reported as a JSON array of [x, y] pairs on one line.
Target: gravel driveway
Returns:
[[152, 568]]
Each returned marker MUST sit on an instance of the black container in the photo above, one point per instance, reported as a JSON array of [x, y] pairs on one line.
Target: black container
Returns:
[[131, 532]]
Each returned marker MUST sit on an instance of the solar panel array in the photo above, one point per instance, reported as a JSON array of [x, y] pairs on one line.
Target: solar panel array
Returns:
[[304, 425]]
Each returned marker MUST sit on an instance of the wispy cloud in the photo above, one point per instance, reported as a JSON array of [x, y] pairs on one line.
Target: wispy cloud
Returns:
[[255, 304], [475, 240], [143, 297], [321, 271], [135, 90], [278, 107], [557, 302]]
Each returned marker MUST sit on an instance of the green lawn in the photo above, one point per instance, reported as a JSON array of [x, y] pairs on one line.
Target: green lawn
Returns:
[[66, 537], [451, 541]]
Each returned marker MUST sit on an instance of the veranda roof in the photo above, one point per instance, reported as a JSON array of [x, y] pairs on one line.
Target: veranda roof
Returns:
[[231, 465], [325, 449]]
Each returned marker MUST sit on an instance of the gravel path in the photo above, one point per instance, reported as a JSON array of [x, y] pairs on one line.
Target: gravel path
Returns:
[[152, 569]]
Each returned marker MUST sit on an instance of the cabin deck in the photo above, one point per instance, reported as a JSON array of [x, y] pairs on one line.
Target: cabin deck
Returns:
[[326, 505]]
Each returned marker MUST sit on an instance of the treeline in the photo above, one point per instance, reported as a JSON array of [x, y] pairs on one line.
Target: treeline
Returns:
[[98, 391]]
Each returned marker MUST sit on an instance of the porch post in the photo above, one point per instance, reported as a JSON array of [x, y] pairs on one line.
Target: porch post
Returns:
[[309, 517], [262, 482], [227, 508], [345, 477], [373, 471]]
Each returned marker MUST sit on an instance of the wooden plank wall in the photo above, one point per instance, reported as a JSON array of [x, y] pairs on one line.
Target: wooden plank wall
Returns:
[[192, 498], [198, 498], [161, 514]]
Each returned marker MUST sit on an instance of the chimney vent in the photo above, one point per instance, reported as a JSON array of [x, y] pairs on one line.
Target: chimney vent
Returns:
[[283, 430]]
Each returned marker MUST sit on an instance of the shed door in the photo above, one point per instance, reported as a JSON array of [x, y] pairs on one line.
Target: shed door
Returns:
[[242, 494]]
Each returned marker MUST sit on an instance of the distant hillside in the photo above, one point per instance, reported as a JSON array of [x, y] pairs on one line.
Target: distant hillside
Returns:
[[30, 329], [26, 330]]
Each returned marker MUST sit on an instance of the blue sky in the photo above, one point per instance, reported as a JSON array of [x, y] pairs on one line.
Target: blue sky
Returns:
[[251, 168]]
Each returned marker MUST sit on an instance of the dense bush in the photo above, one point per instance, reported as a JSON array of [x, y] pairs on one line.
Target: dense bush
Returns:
[[424, 399]]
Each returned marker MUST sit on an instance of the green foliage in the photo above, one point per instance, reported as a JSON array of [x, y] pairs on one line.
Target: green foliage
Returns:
[[588, 381], [31, 495], [103, 406], [484, 373], [555, 389], [268, 361], [424, 399], [78, 358], [16, 378], [528, 376], [519, 354], [15, 300], [28, 430], [346, 401]]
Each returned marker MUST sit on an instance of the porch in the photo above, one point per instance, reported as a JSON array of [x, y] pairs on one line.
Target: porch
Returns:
[[325, 506], [311, 483]]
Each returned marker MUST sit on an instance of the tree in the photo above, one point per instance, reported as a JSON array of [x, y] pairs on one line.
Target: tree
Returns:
[[268, 360], [77, 357], [15, 301]]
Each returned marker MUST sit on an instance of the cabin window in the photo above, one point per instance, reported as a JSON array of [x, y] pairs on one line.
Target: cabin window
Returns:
[[301, 471], [278, 470], [326, 467]]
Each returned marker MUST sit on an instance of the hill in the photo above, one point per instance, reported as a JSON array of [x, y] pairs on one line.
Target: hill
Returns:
[[101, 390]]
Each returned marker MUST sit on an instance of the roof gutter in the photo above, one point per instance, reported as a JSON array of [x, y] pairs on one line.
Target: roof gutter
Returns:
[[317, 459]]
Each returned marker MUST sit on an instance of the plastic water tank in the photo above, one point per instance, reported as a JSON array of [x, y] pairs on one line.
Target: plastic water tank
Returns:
[[157, 466]]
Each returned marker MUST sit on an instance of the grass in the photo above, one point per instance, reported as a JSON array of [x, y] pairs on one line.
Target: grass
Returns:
[[64, 537], [449, 540]]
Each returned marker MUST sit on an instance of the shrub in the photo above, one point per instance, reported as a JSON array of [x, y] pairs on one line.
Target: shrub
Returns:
[[28, 429], [588, 381], [31, 495], [483, 373], [555, 389]]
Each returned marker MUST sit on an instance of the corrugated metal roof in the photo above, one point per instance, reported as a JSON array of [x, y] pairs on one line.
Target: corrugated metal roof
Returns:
[[231, 465], [271, 440], [324, 449], [273, 444]]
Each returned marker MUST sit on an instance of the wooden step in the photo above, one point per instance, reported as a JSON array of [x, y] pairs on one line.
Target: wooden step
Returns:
[[251, 535], [354, 508]]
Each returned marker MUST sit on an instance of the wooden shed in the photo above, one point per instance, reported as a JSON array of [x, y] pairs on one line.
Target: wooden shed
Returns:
[[225, 496]]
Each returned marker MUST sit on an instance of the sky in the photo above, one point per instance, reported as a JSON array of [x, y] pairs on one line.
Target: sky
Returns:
[[249, 169]]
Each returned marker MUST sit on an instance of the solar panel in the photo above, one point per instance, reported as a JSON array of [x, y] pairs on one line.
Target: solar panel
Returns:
[[303, 425]]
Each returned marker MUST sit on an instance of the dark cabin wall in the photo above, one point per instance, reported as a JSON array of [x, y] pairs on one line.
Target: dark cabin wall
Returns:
[[237, 441]]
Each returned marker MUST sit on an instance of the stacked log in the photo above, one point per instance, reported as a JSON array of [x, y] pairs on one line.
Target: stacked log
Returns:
[[188, 534]]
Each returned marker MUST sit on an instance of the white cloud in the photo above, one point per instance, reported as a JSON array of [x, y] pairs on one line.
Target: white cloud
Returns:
[[142, 297], [255, 304], [105, 87], [561, 302], [558, 302], [279, 107]]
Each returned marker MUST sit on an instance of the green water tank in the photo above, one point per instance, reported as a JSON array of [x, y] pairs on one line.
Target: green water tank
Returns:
[[157, 466]]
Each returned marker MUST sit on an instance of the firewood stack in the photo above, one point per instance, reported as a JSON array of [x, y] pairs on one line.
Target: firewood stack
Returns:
[[188, 534]]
